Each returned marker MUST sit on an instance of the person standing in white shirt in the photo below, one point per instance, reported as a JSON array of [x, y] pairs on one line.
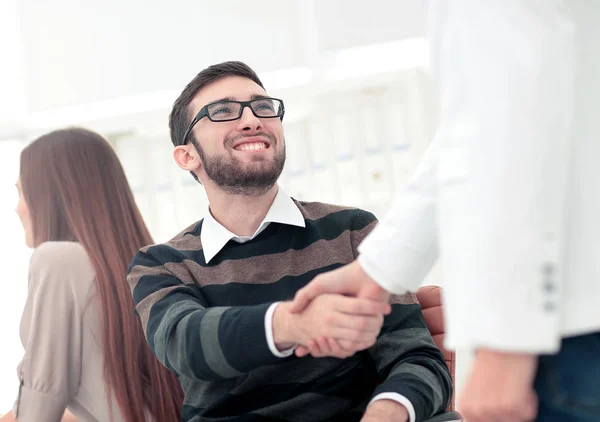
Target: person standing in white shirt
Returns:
[[507, 198]]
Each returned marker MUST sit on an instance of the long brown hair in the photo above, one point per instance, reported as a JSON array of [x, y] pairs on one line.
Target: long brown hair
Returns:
[[76, 190]]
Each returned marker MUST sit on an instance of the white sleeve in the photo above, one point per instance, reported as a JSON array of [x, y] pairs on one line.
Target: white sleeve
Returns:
[[269, 333], [400, 399], [494, 179], [506, 74], [403, 247]]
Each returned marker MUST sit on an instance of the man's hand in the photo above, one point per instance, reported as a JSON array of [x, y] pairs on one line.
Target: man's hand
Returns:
[[500, 388], [349, 280], [385, 411], [354, 323]]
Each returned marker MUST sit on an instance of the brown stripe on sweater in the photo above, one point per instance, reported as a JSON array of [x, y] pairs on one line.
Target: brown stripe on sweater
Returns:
[[134, 275], [189, 242], [317, 210], [408, 298], [174, 242], [145, 248], [267, 269]]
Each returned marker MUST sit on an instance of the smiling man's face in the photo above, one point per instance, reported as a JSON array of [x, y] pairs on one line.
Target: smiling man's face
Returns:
[[244, 156]]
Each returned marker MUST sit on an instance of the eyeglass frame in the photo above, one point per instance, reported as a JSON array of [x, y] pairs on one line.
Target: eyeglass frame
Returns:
[[243, 104]]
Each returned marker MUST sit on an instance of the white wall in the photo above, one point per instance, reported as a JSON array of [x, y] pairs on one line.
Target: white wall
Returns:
[[13, 283], [79, 52]]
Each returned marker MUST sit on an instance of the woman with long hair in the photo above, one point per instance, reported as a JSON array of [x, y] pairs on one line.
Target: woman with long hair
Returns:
[[84, 347]]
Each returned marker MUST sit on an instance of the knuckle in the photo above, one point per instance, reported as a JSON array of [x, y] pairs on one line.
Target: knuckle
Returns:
[[357, 306], [346, 345], [356, 336], [372, 308], [354, 305]]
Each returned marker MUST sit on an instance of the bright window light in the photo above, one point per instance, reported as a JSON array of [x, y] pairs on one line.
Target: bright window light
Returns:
[[286, 78], [13, 289], [106, 109], [160, 100], [379, 58], [12, 72]]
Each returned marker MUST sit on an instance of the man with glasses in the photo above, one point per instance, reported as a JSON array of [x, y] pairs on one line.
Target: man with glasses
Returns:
[[214, 300]]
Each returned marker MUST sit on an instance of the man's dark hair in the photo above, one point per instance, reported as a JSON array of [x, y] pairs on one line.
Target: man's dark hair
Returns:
[[181, 116]]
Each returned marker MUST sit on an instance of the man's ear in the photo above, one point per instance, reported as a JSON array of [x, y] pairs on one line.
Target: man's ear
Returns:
[[187, 158]]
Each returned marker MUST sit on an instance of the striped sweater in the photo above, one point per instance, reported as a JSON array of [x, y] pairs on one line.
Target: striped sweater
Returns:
[[206, 323]]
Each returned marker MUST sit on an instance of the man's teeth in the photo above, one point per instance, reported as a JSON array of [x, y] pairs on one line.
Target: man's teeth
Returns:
[[254, 146]]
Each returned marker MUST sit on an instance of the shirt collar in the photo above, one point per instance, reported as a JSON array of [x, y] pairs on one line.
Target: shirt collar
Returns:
[[214, 236]]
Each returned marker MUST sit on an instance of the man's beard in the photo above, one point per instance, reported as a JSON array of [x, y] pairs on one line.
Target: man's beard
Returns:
[[237, 178]]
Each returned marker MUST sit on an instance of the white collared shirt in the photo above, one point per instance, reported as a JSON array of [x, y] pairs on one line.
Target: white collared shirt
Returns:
[[215, 236]]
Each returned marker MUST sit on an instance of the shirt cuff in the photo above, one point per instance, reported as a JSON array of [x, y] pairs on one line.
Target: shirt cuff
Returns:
[[33, 406], [388, 284], [399, 398], [269, 332]]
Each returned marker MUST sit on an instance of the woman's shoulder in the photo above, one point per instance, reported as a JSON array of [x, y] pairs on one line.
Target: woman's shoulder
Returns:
[[57, 248], [59, 253], [66, 261]]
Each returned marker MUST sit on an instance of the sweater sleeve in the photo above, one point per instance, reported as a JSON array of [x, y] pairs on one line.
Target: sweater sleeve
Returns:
[[409, 362], [51, 331], [188, 336]]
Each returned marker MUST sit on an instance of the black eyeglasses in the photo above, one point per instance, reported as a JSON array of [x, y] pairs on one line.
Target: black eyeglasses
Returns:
[[226, 111]]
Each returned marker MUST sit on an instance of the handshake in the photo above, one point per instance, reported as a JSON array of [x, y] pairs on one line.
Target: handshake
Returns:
[[338, 314]]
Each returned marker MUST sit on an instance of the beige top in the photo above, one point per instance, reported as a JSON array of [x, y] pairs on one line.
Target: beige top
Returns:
[[61, 333]]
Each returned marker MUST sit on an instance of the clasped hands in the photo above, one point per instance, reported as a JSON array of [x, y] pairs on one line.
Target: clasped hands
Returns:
[[325, 324], [338, 314]]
